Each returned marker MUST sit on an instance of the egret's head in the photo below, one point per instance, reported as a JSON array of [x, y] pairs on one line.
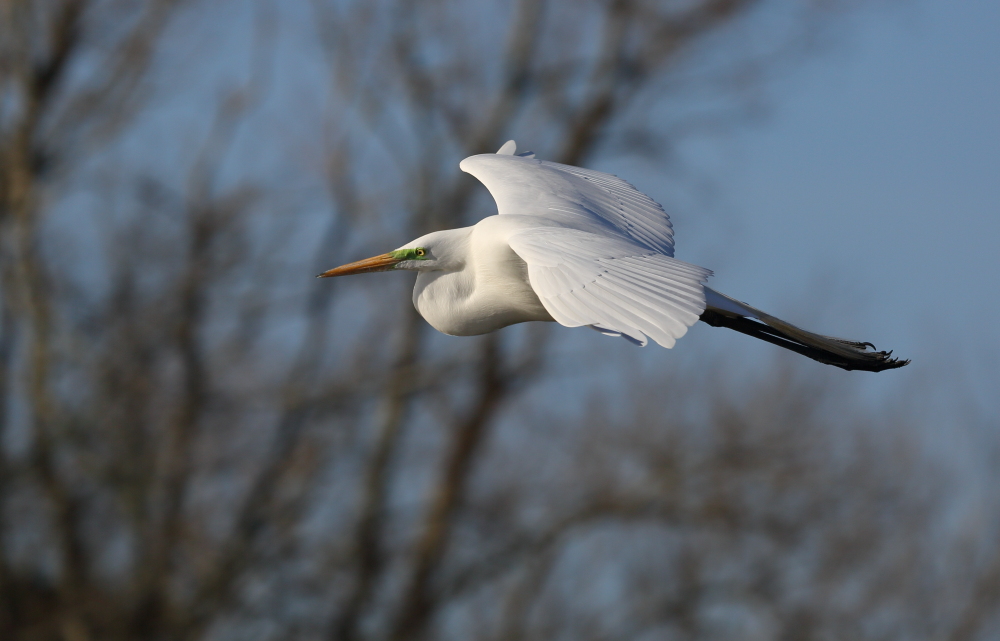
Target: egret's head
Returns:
[[440, 250]]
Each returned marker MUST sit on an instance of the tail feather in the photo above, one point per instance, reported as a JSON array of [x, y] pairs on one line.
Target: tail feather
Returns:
[[723, 311]]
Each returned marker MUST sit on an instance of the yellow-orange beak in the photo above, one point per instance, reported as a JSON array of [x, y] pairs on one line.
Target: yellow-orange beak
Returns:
[[381, 263]]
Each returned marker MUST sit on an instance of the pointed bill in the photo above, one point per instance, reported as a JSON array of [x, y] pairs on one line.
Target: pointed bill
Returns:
[[380, 263]]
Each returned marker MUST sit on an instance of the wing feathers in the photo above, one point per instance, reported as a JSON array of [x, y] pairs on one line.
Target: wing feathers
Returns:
[[602, 254], [657, 324], [617, 286], [525, 186], [639, 290]]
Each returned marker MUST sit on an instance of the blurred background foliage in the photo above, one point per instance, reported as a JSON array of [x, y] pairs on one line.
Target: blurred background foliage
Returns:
[[200, 441]]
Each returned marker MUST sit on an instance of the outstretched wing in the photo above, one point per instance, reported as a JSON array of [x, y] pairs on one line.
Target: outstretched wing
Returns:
[[613, 285], [579, 198]]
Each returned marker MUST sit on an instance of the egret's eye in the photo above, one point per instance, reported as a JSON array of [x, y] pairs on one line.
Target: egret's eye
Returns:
[[420, 251]]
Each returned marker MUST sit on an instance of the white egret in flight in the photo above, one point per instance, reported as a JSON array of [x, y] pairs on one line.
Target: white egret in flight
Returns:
[[582, 248]]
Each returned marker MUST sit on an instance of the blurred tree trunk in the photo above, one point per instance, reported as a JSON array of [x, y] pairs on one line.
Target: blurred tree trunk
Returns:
[[42, 43]]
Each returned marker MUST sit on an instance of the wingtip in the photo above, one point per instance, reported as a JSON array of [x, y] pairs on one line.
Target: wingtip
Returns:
[[507, 149]]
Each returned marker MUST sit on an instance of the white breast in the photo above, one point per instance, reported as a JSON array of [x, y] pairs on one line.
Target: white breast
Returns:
[[491, 290]]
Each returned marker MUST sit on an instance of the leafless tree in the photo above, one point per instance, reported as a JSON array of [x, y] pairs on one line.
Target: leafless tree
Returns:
[[199, 441]]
